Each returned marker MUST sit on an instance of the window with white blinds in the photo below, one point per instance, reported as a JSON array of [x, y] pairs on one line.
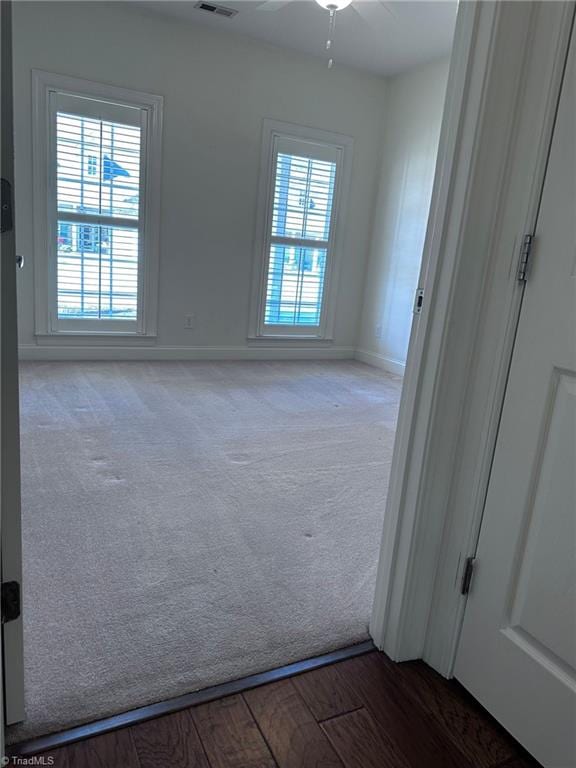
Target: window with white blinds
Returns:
[[298, 240], [100, 226], [98, 217]]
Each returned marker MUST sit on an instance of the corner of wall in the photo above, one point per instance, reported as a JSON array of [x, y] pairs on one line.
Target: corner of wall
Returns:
[[410, 135]]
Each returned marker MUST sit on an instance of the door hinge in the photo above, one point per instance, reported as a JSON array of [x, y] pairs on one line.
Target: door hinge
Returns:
[[525, 253], [10, 601], [6, 214], [467, 575], [418, 301]]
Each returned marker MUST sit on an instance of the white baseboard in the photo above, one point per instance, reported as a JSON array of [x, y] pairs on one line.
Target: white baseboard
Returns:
[[380, 361], [68, 352], [127, 352]]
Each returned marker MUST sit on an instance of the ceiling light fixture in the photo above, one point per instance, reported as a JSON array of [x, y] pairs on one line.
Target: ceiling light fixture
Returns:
[[332, 6]]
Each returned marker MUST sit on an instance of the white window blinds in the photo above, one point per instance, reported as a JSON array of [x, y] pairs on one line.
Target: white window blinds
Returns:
[[299, 242], [98, 172]]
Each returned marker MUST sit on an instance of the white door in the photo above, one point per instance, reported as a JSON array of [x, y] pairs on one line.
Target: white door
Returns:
[[517, 653], [9, 414]]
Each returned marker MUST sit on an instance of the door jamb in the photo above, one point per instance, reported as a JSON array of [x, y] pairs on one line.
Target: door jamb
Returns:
[[5, 162], [503, 87]]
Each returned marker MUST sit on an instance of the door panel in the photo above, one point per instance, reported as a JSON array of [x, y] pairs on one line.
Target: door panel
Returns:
[[517, 652], [547, 564]]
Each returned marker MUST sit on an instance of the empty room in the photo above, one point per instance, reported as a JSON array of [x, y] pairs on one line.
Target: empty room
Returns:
[[287, 384], [226, 215]]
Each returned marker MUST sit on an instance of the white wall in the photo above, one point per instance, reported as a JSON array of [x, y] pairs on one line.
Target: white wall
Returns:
[[217, 89], [414, 112]]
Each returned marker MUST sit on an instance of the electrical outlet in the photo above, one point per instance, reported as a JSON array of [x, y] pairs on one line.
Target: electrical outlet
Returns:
[[378, 332], [189, 321]]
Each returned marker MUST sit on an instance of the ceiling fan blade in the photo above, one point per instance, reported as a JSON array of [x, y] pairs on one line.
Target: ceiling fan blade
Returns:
[[272, 5], [387, 7], [362, 9]]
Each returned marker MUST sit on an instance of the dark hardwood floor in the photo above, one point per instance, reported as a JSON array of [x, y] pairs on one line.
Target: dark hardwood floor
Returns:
[[363, 712]]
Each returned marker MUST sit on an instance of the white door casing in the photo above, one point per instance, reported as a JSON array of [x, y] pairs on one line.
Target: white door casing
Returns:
[[517, 652]]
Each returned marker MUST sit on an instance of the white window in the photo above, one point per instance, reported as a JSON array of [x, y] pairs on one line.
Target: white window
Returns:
[[305, 173], [97, 168]]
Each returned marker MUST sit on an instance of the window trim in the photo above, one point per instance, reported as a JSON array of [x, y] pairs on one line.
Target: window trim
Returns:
[[45, 311], [272, 131]]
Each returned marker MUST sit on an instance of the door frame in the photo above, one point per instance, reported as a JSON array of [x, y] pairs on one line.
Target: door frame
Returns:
[[11, 640], [4, 19], [503, 88]]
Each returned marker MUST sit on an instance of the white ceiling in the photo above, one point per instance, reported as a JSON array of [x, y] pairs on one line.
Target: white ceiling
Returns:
[[375, 36]]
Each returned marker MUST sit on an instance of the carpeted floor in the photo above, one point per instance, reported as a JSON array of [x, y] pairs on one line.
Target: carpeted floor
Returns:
[[190, 523]]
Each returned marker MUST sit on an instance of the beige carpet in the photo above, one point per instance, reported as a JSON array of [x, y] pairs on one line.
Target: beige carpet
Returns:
[[190, 523]]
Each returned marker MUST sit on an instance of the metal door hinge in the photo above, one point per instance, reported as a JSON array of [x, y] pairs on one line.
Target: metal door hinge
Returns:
[[10, 601], [467, 575], [6, 215], [418, 301], [525, 253]]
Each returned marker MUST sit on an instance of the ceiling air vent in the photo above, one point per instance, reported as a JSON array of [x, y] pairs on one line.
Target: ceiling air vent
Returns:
[[218, 10]]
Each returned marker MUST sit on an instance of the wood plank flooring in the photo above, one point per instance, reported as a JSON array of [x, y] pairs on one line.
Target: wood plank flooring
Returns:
[[364, 712]]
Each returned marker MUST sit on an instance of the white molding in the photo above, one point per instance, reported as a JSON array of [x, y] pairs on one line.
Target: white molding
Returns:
[[380, 361], [397, 554], [44, 83], [271, 131], [493, 48], [54, 352]]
